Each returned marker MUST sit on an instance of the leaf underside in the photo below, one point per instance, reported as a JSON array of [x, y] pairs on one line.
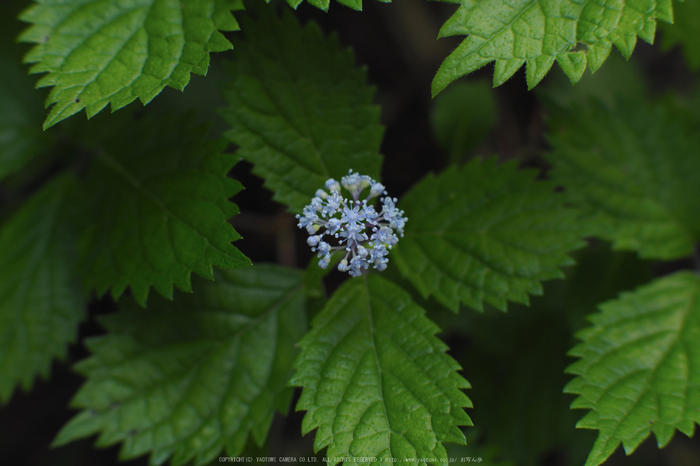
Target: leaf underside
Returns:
[[190, 378], [299, 108], [538, 33], [485, 232], [377, 382], [636, 169], [41, 303], [159, 209], [98, 52], [639, 370]]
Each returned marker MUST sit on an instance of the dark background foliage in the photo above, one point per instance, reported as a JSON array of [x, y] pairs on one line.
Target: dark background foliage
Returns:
[[515, 361]]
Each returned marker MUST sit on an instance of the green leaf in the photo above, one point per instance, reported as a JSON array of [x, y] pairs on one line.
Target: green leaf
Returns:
[[100, 51], [21, 138], [538, 33], [300, 109], [639, 370], [192, 377], [484, 232], [41, 303], [683, 32], [636, 168], [325, 4], [376, 380], [159, 208]]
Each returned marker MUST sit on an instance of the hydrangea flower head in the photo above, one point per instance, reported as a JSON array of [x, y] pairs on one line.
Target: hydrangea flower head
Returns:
[[353, 225]]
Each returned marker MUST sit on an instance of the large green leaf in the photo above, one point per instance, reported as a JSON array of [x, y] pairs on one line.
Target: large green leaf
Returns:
[[484, 232], [636, 168], [98, 52], [300, 109], [640, 366], [40, 301], [195, 376], [538, 33], [377, 383], [159, 208]]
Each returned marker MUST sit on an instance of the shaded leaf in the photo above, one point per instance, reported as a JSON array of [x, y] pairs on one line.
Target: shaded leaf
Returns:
[[683, 32], [636, 168], [463, 117], [190, 378], [619, 78], [21, 138], [159, 208], [41, 302]]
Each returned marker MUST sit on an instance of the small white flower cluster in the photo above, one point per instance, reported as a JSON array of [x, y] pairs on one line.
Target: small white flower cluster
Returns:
[[365, 234]]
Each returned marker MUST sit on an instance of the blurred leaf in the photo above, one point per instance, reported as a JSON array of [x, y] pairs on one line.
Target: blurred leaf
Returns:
[[377, 383], [475, 452], [192, 377], [299, 108], [21, 137], [519, 359], [684, 31], [41, 302], [324, 4], [600, 275], [464, 115], [639, 370], [618, 79], [636, 169], [485, 232]]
